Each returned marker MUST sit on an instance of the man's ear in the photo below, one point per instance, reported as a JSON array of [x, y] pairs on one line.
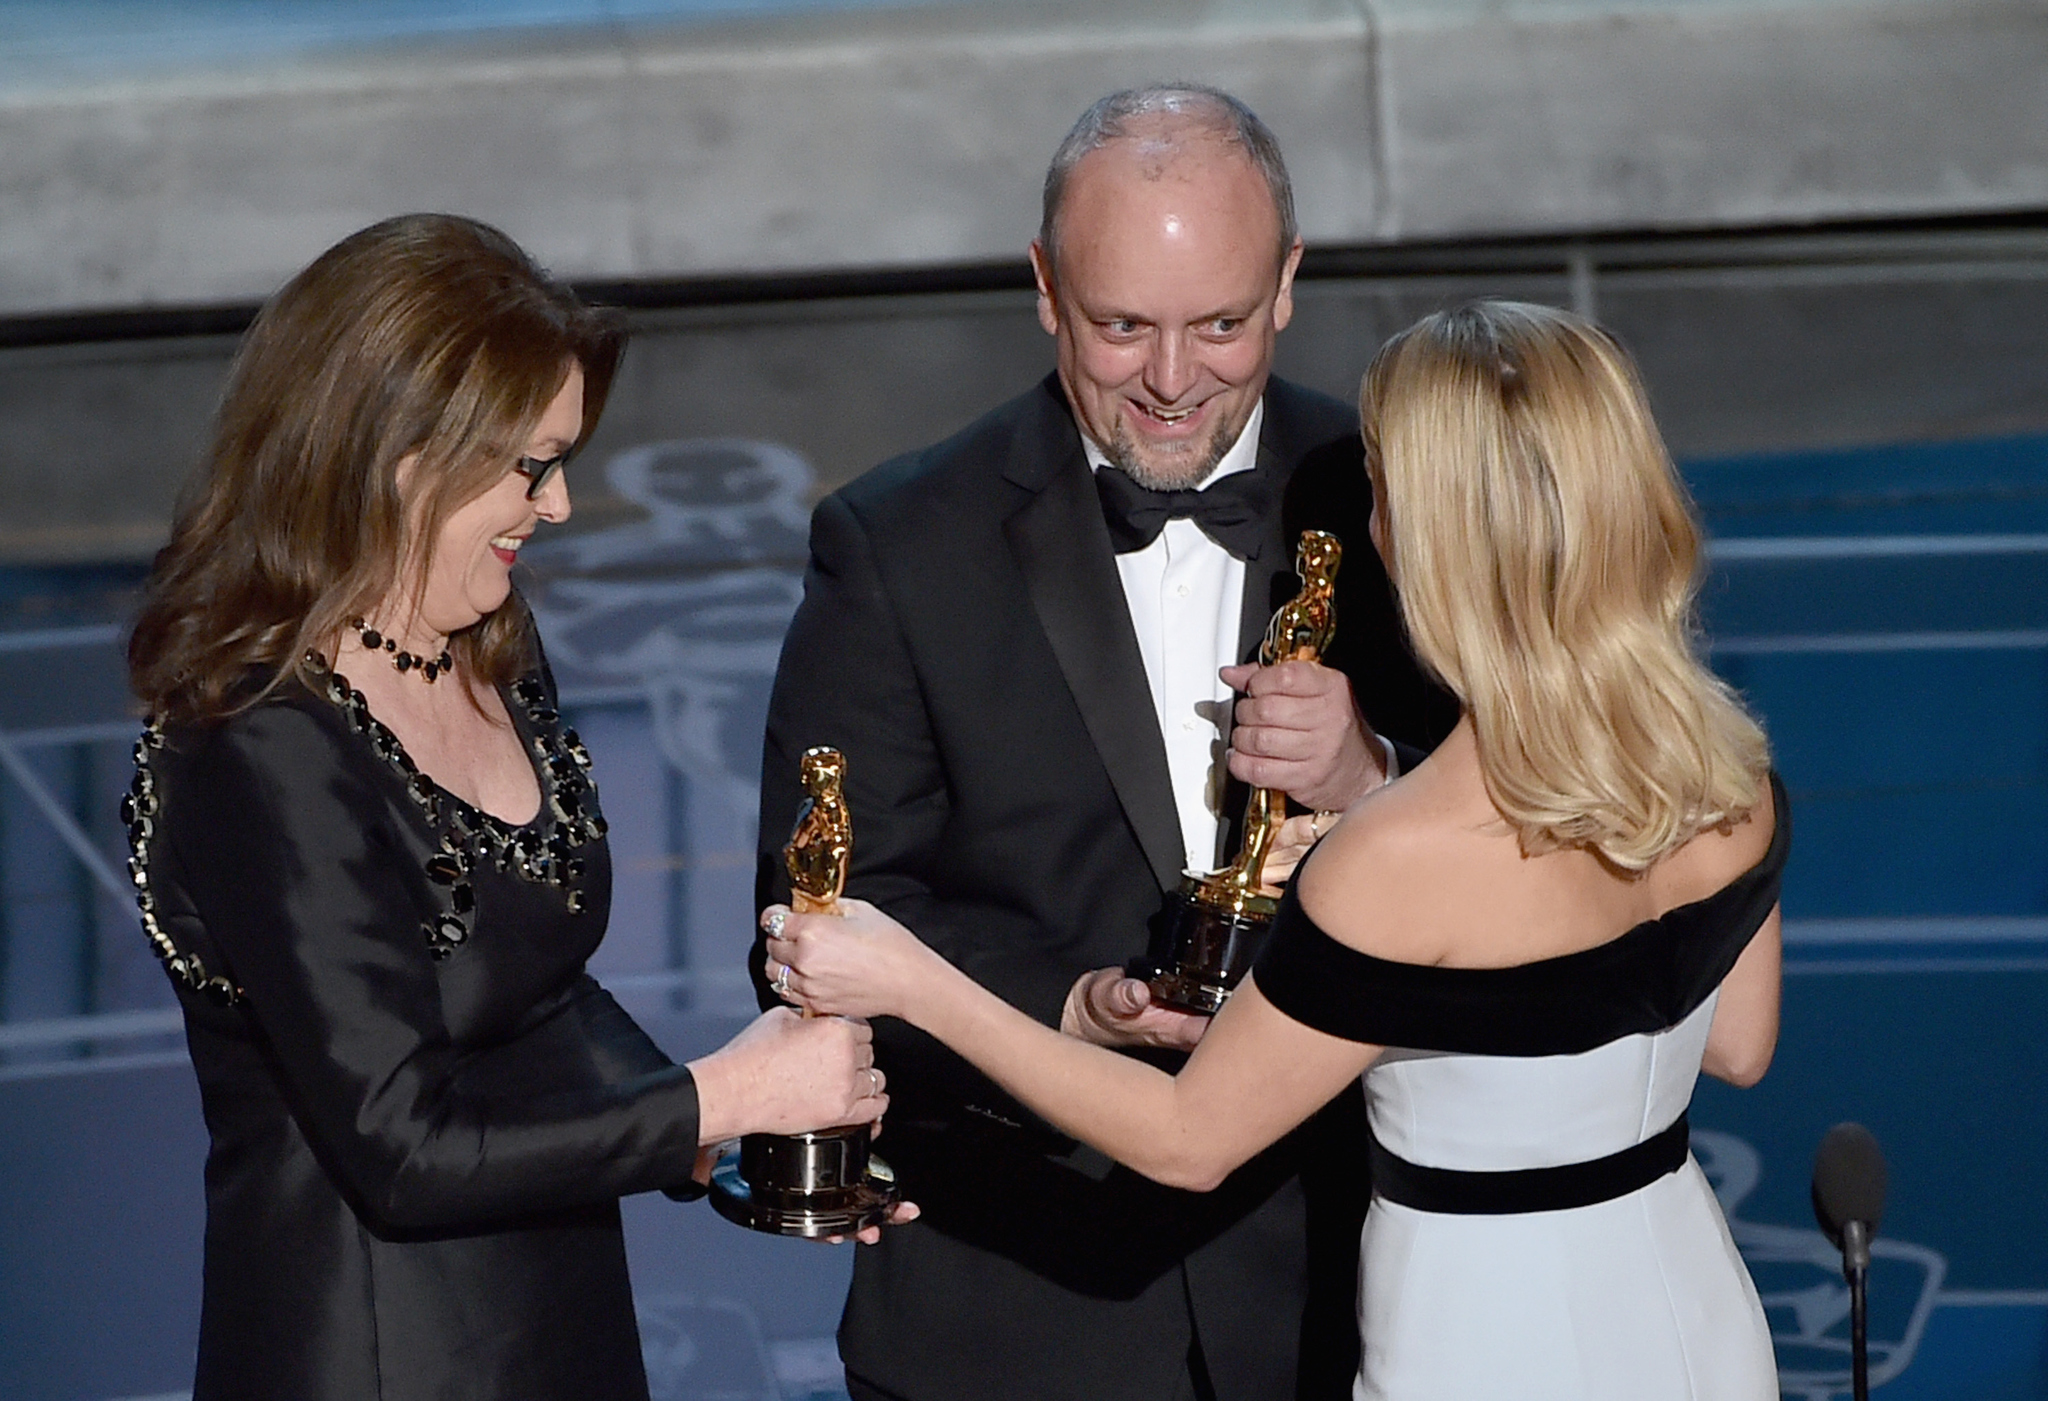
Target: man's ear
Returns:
[[1048, 300], [1283, 303]]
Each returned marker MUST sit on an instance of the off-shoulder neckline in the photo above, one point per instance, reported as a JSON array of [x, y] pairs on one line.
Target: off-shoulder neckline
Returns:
[[1772, 857]]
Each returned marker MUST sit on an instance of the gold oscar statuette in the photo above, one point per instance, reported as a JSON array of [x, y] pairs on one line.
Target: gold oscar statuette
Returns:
[[1215, 923], [826, 1182]]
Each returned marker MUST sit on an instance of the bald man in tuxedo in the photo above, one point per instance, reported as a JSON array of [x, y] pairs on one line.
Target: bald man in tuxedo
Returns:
[[1027, 641]]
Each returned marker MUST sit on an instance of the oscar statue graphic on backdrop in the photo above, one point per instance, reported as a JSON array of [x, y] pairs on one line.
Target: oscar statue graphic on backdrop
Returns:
[[826, 1182], [1215, 923]]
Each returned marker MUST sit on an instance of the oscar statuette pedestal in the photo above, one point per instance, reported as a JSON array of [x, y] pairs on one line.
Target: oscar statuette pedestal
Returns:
[[825, 1182], [1215, 924]]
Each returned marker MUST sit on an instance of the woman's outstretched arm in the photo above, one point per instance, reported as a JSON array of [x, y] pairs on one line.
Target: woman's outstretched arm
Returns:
[[1255, 1075]]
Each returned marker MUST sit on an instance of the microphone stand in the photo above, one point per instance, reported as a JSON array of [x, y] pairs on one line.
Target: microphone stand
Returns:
[[1848, 1200], [1856, 1269]]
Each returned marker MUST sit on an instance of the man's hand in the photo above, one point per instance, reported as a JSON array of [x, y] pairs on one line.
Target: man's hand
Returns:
[[1110, 1009], [1297, 729], [901, 1214]]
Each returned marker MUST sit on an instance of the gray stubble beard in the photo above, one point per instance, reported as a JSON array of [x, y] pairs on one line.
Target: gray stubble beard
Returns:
[[1122, 452]]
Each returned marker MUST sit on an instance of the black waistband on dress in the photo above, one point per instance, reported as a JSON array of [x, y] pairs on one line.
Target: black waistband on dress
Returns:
[[1456, 1192]]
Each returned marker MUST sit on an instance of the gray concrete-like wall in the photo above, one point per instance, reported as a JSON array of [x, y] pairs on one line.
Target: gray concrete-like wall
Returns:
[[918, 137]]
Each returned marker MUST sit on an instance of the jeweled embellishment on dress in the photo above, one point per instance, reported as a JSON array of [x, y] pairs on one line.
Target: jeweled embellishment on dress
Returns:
[[138, 815], [543, 851]]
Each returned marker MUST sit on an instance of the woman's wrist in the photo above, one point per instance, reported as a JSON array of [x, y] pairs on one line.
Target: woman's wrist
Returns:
[[715, 1099], [938, 1001]]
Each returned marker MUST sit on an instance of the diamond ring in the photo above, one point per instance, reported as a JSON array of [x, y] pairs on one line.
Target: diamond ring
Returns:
[[773, 924], [782, 981]]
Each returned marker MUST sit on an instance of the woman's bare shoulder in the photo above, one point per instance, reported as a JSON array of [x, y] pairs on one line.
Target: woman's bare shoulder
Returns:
[[1718, 855], [1376, 882]]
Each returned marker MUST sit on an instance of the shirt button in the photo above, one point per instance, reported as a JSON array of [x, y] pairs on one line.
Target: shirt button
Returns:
[[1182, 591], [1190, 725]]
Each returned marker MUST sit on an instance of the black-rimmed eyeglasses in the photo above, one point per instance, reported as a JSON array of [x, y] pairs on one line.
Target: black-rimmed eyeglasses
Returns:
[[539, 471]]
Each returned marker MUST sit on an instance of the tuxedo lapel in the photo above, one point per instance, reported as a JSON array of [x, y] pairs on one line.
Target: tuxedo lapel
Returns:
[[1062, 547]]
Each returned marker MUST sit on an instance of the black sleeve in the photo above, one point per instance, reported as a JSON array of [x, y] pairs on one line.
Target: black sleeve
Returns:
[[286, 854], [619, 1049], [847, 679]]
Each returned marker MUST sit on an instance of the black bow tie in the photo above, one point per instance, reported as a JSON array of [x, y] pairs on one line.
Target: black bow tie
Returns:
[[1233, 511]]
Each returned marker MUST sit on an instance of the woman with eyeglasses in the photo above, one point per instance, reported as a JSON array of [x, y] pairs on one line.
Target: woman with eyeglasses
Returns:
[[371, 857]]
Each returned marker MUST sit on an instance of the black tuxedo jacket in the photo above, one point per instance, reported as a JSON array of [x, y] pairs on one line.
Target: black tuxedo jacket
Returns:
[[964, 639]]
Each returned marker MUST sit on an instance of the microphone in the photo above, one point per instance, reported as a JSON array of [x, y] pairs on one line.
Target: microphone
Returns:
[[1848, 1190], [1848, 1201]]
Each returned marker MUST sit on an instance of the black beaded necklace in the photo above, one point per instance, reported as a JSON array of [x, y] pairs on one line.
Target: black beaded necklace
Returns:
[[405, 661]]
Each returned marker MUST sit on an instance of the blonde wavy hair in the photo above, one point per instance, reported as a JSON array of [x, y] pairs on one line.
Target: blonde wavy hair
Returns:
[[1546, 558]]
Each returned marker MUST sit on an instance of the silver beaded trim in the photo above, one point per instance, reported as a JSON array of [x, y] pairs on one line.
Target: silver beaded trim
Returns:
[[543, 851], [138, 815]]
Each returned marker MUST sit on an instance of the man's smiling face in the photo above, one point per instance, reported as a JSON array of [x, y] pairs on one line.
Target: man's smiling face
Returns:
[[1168, 291]]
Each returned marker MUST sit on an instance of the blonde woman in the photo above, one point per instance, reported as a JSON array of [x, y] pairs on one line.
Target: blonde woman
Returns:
[[1529, 946]]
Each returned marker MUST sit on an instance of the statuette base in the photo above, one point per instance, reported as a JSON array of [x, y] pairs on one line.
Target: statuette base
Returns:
[[1206, 944], [824, 1183]]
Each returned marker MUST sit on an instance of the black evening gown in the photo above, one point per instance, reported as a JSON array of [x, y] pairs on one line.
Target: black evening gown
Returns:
[[423, 1111]]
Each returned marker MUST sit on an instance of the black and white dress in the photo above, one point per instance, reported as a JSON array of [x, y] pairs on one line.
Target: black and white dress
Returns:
[[1538, 1227]]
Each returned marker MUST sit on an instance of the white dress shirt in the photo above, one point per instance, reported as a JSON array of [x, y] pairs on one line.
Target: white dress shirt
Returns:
[[1186, 595]]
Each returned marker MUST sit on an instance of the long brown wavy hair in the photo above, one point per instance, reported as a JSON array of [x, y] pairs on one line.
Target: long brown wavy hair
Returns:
[[426, 337]]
